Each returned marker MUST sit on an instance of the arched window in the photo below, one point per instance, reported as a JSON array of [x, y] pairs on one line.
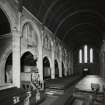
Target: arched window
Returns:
[[26, 30], [29, 34], [91, 55], [80, 56], [85, 54]]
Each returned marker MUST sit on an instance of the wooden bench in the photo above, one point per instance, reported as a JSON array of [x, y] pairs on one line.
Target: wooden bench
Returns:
[[12, 96]]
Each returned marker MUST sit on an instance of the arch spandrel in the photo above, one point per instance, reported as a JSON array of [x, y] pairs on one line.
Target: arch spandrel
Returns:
[[36, 29]]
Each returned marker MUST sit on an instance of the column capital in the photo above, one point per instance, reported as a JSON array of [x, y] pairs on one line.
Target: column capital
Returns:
[[16, 32]]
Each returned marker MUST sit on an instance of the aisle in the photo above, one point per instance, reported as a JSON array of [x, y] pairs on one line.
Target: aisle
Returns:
[[62, 99], [49, 100], [59, 91]]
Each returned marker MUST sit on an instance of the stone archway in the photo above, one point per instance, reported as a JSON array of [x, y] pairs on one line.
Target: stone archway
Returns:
[[8, 69], [56, 69], [63, 70], [46, 68], [27, 62], [38, 34], [5, 43]]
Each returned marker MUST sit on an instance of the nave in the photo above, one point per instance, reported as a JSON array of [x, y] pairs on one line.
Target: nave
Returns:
[[52, 52]]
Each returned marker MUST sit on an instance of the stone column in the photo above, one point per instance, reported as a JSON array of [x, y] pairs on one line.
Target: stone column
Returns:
[[72, 66], [40, 64], [65, 68], [40, 61], [60, 64], [60, 68], [16, 57], [53, 62]]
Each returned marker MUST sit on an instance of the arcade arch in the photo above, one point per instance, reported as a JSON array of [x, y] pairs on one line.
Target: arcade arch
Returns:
[[46, 68], [8, 69], [63, 70], [5, 37], [28, 63], [56, 69]]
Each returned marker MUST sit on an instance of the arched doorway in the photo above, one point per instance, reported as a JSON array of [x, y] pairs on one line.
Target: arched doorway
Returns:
[[27, 62], [56, 69], [63, 70], [8, 69], [46, 68]]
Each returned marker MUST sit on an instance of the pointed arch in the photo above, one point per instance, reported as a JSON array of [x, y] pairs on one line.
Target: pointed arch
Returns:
[[27, 62], [56, 69], [8, 69], [63, 70], [35, 29], [46, 68]]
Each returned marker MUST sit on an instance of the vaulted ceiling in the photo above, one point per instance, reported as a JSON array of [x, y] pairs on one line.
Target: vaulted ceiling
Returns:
[[75, 22]]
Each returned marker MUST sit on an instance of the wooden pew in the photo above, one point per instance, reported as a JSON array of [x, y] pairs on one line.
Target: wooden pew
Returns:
[[12, 96]]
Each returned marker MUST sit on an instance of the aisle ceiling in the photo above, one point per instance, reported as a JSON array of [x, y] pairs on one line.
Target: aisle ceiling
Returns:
[[75, 22]]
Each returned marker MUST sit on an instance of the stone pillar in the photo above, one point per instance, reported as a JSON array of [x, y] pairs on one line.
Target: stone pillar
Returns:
[[72, 66], [60, 68], [53, 63], [40, 65], [40, 62], [65, 68], [60, 64], [16, 57]]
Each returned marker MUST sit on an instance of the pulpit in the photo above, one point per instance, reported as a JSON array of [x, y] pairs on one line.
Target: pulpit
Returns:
[[31, 83]]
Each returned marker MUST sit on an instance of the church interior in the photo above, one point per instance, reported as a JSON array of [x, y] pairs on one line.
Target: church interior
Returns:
[[52, 52]]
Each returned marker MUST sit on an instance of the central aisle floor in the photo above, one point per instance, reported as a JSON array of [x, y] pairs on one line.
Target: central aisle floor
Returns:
[[57, 95]]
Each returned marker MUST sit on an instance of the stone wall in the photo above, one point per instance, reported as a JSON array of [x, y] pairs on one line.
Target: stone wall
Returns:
[[28, 34]]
